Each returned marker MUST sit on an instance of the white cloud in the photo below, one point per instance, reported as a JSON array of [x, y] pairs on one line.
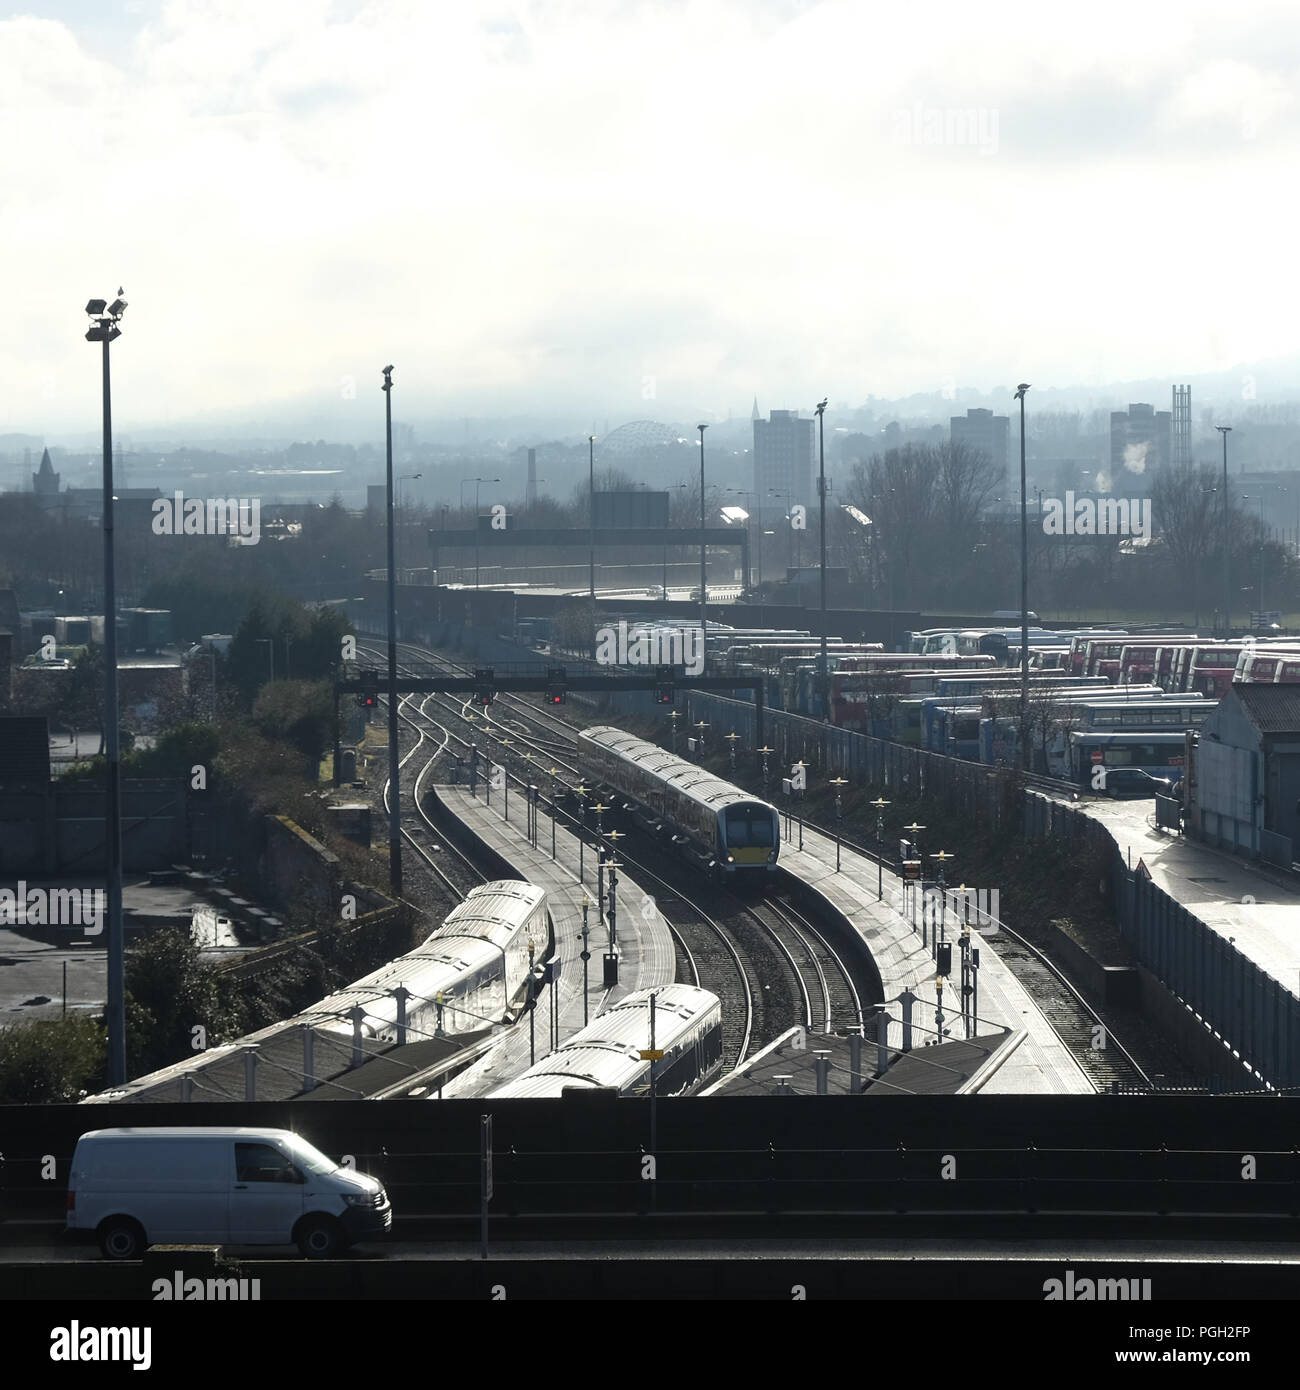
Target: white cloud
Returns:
[[537, 204]]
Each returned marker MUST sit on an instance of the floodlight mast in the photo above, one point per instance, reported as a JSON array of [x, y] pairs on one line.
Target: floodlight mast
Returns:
[[103, 330]]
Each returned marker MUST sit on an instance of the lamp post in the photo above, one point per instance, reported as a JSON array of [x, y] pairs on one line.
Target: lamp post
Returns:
[[1024, 589], [880, 803], [839, 783], [586, 956], [704, 581], [1225, 431], [673, 717], [823, 664], [941, 859], [552, 772], [731, 749], [914, 830], [401, 509], [532, 989], [699, 740], [581, 793], [591, 519], [394, 762], [103, 329], [765, 753]]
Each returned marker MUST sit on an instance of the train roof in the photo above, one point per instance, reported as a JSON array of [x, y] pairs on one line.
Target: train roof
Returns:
[[607, 1052], [688, 778]]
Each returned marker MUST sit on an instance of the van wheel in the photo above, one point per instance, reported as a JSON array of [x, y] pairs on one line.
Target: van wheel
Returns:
[[120, 1238], [319, 1237]]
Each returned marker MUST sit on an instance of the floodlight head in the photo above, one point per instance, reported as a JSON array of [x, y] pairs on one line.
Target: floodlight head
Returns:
[[1021, 389], [117, 308], [95, 307], [821, 405], [701, 427]]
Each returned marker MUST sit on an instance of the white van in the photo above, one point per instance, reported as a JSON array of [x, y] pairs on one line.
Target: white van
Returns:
[[131, 1188]]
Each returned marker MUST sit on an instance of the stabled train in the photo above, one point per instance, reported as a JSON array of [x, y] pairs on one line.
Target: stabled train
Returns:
[[607, 1052]]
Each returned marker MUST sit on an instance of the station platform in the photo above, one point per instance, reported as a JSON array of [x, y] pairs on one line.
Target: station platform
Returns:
[[644, 944], [1040, 1064], [1255, 909]]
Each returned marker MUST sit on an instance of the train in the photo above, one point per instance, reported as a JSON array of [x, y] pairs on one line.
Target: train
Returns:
[[607, 1052], [732, 834], [461, 980]]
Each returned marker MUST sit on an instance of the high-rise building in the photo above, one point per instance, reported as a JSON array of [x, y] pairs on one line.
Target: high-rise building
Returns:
[[983, 431], [784, 462], [1182, 427], [1139, 438]]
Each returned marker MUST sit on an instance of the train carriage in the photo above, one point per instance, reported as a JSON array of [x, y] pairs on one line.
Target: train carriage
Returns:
[[460, 980], [607, 1052], [725, 829]]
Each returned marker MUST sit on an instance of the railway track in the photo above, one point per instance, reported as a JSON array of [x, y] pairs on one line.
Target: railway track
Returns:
[[769, 965]]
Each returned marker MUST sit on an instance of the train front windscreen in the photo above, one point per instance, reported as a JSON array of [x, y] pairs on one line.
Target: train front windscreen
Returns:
[[751, 833]]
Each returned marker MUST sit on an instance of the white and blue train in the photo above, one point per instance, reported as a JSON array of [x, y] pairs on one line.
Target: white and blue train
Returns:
[[607, 1052], [725, 829], [461, 980]]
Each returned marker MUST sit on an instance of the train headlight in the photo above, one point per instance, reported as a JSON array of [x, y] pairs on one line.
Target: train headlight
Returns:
[[731, 859]]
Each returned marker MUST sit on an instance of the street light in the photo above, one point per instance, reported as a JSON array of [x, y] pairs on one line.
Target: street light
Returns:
[[104, 329], [704, 581], [1024, 589], [1225, 431], [405, 478], [823, 661], [478, 483], [591, 520], [394, 762], [838, 783], [880, 803]]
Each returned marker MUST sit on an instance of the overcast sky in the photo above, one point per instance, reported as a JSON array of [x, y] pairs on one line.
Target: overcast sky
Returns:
[[635, 210]]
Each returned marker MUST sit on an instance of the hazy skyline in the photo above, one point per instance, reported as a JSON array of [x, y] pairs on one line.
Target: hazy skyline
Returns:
[[619, 212]]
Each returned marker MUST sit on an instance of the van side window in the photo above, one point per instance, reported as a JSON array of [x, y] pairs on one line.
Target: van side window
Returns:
[[263, 1163]]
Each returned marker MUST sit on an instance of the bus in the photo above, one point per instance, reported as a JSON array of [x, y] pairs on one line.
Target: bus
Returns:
[[1207, 669], [1158, 754], [1256, 666], [1137, 661]]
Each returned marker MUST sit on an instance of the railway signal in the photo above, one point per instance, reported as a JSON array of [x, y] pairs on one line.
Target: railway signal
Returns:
[[484, 685], [665, 691], [555, 685], [369, 688]]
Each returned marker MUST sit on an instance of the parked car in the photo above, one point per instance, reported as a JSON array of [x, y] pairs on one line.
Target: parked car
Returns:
[[1133, 782], [131, 1188]]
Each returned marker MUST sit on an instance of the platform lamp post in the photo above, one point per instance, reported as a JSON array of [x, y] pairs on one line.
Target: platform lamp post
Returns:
[[673, 717], [552, 773], [839, 783], [914, 831], [1024, 589], [401, 510], [532, 990], [731, 748], [612, 863], [1225, 431], [765, 753], [880, 803], [591, 520], [699, 740], [586, 956], [103, 329], [942, 859], [966, 1011], [581, 793]]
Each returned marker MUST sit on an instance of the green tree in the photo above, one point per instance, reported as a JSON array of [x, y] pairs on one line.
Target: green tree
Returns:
[[51, 1060], [173, 991]]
